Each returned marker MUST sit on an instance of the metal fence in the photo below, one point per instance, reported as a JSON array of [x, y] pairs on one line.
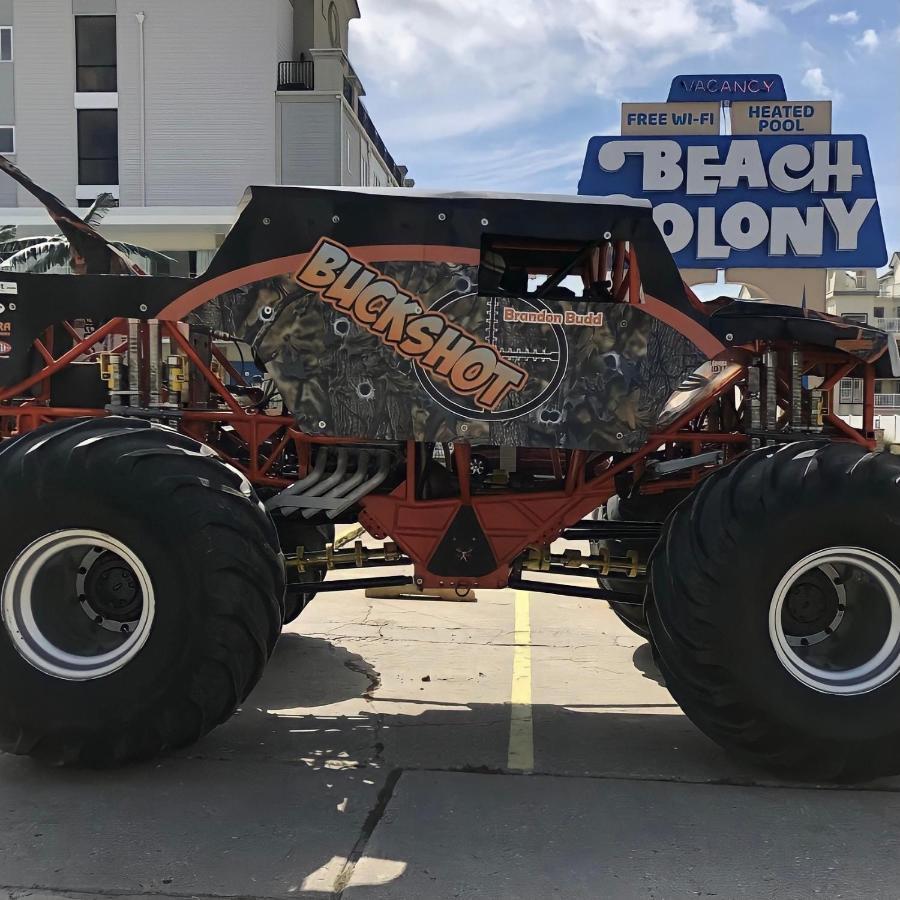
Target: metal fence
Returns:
[[296, 75]]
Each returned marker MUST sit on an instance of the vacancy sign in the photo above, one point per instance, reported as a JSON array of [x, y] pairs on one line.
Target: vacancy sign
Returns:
[[809, 117], [670, 118]]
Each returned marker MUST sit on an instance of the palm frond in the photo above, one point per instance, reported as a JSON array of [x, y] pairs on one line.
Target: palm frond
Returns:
[[99, 209], [143, 252], [40, 258], [14, 246]]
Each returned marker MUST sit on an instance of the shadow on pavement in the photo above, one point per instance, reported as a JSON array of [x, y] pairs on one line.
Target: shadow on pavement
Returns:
[[645, 664], [276, 801]]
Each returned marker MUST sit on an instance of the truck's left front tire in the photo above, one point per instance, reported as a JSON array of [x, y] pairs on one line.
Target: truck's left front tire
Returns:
[[142, 591]]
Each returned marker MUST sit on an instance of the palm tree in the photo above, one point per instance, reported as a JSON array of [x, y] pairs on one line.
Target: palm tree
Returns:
[[39, 255]]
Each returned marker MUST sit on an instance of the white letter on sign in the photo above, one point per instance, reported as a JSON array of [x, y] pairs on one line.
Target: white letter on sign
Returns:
[[676, 225], [707, 248], [739, 236], [805, 236], [795, 157], [843, 171], [703, 170], [661, 171], [743, 161], [847, 222]]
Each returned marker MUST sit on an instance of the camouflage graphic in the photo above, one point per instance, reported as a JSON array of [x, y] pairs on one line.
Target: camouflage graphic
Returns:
[[597, 387], [435, 343]]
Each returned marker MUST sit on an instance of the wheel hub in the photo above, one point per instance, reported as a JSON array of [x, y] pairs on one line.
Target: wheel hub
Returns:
[[834, 620], [78, 604], [814, 606], [108, 590]]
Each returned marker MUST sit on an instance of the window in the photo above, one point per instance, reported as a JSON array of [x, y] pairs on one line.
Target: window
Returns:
[[98, 146], [334, 26], [95, 53], [349, 159], [6, 44], [878, 312], [858, 318], [851, 390], [860, 276], [7, 139], [541, 268]]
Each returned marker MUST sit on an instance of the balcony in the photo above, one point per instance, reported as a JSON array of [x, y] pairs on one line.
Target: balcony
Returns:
[[886, 401], [372, 132], [887, 324], [891, 290], [296, 75]]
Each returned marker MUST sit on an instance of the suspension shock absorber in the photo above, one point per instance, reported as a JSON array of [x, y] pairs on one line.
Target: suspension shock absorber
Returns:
[[771, 363], [753, 398], [796, 389]]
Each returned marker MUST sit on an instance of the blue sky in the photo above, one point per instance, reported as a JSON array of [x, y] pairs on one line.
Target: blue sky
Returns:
[[505, 94]]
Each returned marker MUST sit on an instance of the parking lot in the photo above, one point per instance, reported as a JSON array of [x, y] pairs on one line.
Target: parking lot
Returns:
[[518, 746]]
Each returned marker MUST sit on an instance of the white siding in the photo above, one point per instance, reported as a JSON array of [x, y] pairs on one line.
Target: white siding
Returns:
[[45, 88], [310, 132], [360, 144], [284, 39], [8, 189], [350, 173], [210, 84]]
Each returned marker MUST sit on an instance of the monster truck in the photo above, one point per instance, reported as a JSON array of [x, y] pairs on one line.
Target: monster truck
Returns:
[[153, 501]]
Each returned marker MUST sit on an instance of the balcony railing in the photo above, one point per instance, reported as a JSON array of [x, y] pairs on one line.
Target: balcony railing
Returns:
[[296, 75], [370, 129], [888, 324], [884, 401], [891, 290]]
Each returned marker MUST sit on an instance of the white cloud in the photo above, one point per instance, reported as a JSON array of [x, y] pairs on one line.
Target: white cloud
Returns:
[[814, 81], [447, 68], [869, 40], [810, 53], [851, 17], [752, 17], [800, 5]]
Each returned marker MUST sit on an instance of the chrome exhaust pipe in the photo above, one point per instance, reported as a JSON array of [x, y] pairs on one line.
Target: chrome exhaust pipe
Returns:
[[384, 467]]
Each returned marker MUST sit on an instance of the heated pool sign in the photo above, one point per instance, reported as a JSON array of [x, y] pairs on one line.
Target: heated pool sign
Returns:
[[764, 202]]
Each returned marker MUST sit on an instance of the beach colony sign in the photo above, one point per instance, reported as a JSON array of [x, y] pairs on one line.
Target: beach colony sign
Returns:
[[765, 202], [789, 201]]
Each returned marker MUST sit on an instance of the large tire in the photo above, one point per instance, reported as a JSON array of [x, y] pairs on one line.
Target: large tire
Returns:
[[716, 578], [199, 539]]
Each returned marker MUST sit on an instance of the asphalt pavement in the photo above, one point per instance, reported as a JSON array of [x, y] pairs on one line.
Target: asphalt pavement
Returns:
[[516, 747]]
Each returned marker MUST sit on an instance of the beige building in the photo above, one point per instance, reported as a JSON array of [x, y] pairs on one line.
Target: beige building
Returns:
[[174, 107], [864, 296]]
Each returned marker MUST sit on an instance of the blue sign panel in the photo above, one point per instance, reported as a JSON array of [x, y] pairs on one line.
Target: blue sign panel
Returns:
[[760, 202], [726, 87]]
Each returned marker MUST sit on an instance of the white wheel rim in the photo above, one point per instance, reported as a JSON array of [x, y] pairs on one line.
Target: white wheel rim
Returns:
[[29, 606], [821, 663]]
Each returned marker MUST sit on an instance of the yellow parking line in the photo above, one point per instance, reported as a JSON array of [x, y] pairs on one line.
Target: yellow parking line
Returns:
[[521, 725]]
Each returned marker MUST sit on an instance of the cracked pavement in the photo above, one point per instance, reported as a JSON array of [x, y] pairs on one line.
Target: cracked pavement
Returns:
[[371, 761]]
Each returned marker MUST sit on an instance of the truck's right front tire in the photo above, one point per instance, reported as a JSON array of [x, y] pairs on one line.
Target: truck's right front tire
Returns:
[[142, 591], [775, 609]]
